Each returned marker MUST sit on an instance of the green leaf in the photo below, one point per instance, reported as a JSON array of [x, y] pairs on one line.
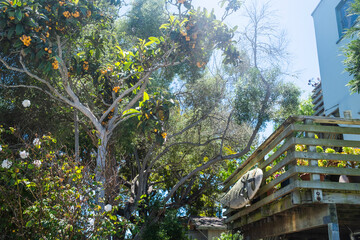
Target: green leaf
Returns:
[[165, 26], [10, 33], [131, 111], [40, 54], [18, 14], [149, 43], [32, 23], [29, 223], [18, 44], [127, 65], [48, 67], [2, 24], [19, 29], [146, 97], [155, 39]]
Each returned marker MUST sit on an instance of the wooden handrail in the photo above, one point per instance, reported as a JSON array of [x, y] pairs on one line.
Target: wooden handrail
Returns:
[[285, 130]]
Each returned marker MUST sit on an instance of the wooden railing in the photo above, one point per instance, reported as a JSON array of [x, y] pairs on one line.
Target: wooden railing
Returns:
[[278, 156]]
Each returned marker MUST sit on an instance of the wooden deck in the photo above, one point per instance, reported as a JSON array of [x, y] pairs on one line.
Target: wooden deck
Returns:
[[287, 207]]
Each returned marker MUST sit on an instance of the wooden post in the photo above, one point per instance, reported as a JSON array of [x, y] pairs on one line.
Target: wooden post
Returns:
[[333, 225], [316, 193], [295, 195]]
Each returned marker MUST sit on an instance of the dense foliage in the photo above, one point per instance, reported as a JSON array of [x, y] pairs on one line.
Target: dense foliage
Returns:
[[158, 128], [45, 194], [352, 51]]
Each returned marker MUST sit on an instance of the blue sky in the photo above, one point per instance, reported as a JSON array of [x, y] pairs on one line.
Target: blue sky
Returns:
[[295, 18]]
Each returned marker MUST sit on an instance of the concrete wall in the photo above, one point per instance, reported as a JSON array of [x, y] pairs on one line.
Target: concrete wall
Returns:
[[198, 234], [205, 234], [214, 234], [333, 76]]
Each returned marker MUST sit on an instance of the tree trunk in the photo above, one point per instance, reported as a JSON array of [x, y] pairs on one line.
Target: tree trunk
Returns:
[[101, 163], [77, 143]]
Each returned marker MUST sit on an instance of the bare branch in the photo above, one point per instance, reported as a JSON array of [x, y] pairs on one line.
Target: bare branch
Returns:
[[33, 87], [189, 127], [167, 149], [223, 137], [10, 67]]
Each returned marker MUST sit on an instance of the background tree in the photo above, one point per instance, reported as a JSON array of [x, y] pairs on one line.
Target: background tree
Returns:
[[352, 51], [265, 45], [67, 47]]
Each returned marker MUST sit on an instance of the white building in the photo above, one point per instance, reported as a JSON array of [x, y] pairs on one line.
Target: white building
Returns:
[[331, 19]]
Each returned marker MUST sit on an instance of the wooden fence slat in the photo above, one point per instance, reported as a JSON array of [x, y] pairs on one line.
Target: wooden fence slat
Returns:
[[278, 153], [329, 170], [330, 185], [327, 142], [326, 129], [327, 120], [288, 159], [327, 156], [291, 172], [257, 158]]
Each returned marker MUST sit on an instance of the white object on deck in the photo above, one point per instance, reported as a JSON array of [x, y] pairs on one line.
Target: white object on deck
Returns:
[[243, 190]]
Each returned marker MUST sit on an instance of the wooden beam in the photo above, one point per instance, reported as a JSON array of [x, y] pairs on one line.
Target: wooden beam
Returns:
[[329, 185], [327, 156], [277, 207], [329, 170], [341, 198], [327, 142], [302, 218], [328, 120], [326, 129]]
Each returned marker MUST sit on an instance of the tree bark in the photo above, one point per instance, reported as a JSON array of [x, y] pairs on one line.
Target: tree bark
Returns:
[[77, 143], [100, 162]]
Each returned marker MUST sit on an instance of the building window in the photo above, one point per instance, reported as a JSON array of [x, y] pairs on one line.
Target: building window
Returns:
[[344, 18]]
